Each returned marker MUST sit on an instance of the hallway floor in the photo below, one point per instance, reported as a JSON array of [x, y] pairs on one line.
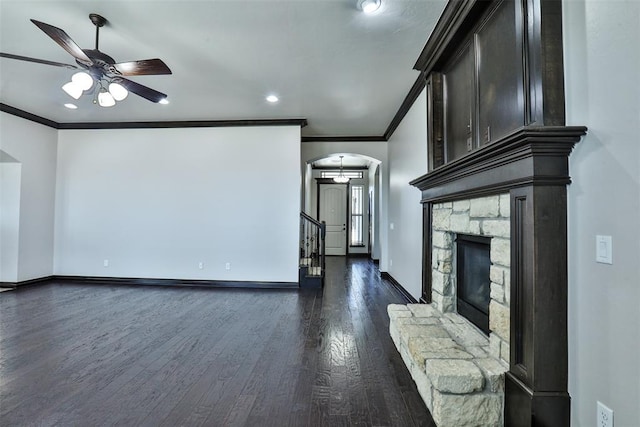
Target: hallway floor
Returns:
[[107, 355]]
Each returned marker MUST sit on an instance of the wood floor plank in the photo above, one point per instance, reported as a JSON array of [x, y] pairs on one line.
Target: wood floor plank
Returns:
[[86, 354]]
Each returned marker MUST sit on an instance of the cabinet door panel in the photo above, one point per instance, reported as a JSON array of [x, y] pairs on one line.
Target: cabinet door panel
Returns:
[[459, 88], [500, 74]]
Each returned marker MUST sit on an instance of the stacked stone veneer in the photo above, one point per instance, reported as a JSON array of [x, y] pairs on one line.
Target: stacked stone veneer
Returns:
[[486, 216], [459, 371]]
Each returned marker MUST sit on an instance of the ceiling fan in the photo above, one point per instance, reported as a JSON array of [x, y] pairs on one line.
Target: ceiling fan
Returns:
[[100, 67]]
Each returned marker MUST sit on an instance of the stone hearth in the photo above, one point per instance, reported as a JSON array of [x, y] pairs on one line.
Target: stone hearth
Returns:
[[450, 361]]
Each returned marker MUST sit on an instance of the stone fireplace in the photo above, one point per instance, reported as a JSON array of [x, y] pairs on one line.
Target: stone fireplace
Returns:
[[488, 217], [458, 366], [513, 192]]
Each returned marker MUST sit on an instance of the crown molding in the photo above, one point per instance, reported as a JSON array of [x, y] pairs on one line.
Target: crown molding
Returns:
[[183, 124], [406, 105], [28, 116], [352, 138], [302, 122]]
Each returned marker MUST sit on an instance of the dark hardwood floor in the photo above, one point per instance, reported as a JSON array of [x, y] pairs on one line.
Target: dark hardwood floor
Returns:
[[121, 355]]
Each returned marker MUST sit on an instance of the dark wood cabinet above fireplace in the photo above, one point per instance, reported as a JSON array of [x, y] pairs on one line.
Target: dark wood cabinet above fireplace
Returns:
[[492, 68]]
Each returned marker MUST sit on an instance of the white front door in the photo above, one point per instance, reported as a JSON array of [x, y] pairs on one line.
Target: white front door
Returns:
[[333, 210]]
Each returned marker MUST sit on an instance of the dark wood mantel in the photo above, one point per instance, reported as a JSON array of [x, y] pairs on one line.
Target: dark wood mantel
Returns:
[[529, 156]]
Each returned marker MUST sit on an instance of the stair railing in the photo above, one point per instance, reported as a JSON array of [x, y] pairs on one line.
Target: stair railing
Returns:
[[312, 244]]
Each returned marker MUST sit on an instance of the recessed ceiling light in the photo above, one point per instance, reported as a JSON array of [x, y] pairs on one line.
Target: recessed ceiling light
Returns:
[[71, 106], [272, 99], [163, 101], [370, 6]]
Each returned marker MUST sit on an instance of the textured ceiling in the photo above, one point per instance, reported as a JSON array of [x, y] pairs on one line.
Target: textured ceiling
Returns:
[[344, 71]]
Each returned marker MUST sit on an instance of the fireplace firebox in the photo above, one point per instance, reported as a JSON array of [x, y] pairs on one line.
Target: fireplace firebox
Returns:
[[473, 285]]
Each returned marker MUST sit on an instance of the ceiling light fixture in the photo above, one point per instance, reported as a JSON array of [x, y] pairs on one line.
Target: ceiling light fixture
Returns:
[[79, 83], [272, 99], [341, 179], [118, 91], [163, 101], [99, 70], [83, 80], [370, 6], [73, 90], [71, 106], [105, 99]]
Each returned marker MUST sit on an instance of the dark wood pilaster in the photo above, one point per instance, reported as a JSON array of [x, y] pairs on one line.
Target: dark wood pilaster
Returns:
[[537, 378], [425, 297]]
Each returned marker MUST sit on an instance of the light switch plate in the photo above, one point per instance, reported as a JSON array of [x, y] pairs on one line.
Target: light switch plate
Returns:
[[604, 249]]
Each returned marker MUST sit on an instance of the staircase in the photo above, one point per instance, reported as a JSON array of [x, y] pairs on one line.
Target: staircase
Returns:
[[312, 252]]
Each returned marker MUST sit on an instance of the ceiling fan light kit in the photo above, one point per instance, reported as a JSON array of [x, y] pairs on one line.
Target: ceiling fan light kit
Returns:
[[105, 99], [98, 70], [83, 80], [118, 91], [73, 90]]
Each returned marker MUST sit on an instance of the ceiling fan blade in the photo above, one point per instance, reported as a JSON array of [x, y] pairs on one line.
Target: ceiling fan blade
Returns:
[[37, 61], [63, 39], [144, 67], [141, 90]]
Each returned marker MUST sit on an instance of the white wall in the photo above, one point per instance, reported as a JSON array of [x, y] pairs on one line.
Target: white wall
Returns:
[[374, 190], [157, 202], [10, 173], [34, 147], [407, 160], [602, 67]]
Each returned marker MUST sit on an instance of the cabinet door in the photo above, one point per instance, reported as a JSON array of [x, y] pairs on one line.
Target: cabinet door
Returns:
[[435, 129], [459, 89], [500, 73]]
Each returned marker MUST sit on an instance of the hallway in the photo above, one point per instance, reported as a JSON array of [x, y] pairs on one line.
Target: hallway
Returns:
[[106, 355]]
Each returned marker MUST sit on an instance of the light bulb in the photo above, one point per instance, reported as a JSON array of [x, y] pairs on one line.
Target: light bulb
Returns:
[[164, 101], [118, 91], [105, 99], [73, 90], [83, 80], [370, 6]]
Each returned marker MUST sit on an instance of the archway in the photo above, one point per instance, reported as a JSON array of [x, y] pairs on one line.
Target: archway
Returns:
[[364, 189]]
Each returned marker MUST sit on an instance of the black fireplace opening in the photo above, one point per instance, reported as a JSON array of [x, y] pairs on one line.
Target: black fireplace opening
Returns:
[[473, 286]]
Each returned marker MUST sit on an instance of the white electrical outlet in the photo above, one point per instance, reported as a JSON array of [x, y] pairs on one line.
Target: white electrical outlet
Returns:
[[227, 266], [105, 263], [605, 416], [201, 265]]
